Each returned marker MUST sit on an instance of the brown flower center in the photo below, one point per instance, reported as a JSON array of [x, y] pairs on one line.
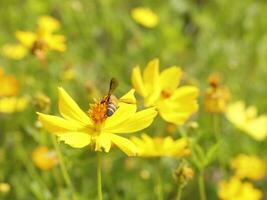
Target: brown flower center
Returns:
[[98, 112], [165, 94]]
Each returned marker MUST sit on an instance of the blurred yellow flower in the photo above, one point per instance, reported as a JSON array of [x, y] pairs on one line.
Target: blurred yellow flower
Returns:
[[44, 158], [13, 104], [246, 119], [174, 104], [79, 129], [145, 16], [249, 166], [161, 147], [4, 188], [9, 84], [234, 189], [216, 96], [39, 42]]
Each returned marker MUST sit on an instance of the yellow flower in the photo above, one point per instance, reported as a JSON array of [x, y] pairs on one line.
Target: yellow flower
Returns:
[[13, 104], [39, 42], [246, 119], [145, 16], [9, 84], [161, 147], [78, 129], [234, 189], [4, 188], [174, 104], [44, 158], [216, 96], [251, 167]]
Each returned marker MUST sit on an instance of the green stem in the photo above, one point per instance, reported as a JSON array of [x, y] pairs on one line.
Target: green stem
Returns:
[[201, 186], [99, 182], [216, 129], [179, 192], [159, 181], [64, 169]]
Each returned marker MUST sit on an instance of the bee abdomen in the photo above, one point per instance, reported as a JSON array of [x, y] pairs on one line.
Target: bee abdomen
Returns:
[[111, 108]]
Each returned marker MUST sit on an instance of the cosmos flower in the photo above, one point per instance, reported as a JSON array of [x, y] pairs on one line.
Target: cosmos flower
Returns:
[[44, 158], [246, 119], [174, 104], [216, 96], [9, 102], [39, 42], [145, 16], [249, 166], [79, 129], [234, 189], [9, 84], [161, 147]]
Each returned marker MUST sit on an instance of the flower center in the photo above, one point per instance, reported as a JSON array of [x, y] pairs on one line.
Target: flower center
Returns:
[[98, 112], [165, 94]]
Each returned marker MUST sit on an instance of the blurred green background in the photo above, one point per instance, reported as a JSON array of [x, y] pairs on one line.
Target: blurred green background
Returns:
[[103, 41]]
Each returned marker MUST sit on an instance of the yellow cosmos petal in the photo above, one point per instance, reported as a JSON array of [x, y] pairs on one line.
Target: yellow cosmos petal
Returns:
[[12, 104], [14, 51], [170, 78], [258, 128], [75, 139], [125, 111], [103, 141], [136, 122], [176, 115], [145, 16], [185, 94], [57, 42], [26, 38], [70, 110], [125, 145], [48, 24], [152, 81], [137, 82], [57, 124]]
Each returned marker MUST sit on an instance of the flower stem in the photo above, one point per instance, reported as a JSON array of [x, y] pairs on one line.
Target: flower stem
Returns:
[[99, 182], [159, 181], [216, 128], [201, 186], [64, 169], [179, 192]]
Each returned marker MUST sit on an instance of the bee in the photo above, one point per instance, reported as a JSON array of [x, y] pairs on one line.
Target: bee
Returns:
[[112, 102]]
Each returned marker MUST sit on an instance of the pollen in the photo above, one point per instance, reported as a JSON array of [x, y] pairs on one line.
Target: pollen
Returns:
[[97, 112]]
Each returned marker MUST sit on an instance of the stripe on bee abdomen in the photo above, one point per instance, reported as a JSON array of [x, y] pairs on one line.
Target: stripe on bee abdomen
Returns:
[[111, 109]]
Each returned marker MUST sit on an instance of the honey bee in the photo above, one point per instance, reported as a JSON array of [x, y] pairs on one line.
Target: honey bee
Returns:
[[112, 101]]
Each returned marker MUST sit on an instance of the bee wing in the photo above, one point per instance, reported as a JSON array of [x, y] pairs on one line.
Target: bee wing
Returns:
[[113, 85], [128, 101]]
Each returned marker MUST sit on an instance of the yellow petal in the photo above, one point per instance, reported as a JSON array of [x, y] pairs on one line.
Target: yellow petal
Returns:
[[185, 94], [70, 110], [48, 24], [125, 111], [152, 82], [57, 124], [258, 128], [26, 38], [57, 42], [136, 122], [170, 78], [14, 51], [137, 81], [75, 139], [103, 141], [175, 113], [125, 145], [145, 16]]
